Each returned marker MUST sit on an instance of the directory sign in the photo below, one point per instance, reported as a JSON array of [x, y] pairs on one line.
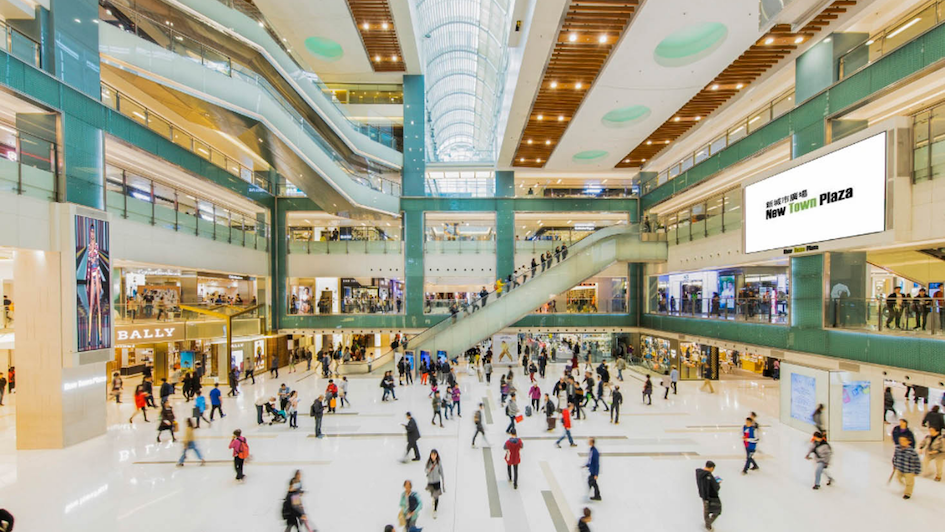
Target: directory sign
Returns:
[[803, 397], [838, 195], [93, 284], [856, 405]]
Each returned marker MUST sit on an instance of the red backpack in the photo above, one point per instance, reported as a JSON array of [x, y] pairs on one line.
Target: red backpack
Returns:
[[244, 449]]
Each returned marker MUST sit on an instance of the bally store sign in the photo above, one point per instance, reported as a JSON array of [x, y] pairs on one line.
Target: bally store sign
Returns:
[[148, 333]]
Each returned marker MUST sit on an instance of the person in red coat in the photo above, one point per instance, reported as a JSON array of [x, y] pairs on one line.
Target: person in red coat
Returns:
[[141, 404], [513, 456]]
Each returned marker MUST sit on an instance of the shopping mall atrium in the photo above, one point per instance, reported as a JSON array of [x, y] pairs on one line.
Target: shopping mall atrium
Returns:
[[607, 242]]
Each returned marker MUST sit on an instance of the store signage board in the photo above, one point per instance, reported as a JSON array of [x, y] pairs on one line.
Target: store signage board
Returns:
[[164, 332], [838, 195]]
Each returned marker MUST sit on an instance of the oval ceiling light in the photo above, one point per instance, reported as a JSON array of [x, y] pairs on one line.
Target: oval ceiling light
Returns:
[[625, 116], [324, 48], [690, 44], [589, 156], [572, 37]]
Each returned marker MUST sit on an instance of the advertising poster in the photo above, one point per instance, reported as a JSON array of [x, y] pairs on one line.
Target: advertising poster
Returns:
[[505, 347], [259, 354], [803, 397], [93, 284], [856, 405], [727, 291], [838, 195], [186, 360]]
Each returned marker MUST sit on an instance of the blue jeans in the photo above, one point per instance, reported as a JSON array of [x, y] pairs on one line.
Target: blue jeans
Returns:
[[567, 434], [190, 445], [750, 460], [821, 469], [511, 426]]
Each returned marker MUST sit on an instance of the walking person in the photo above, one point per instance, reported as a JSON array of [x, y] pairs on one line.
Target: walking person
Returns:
[[200, 407], [566, 425], [674, 378], [513, 457], [456, 396], [167, 421], [117, 386], [410, 507], [318, 412], [903, 430], [888, 404], [708, 485], [189, 444], [906, 465], [818, 417], [621, 365], [141, 404], [750, 440], [477, 419], [343, 393], [435, 484], [511, 410], [292, 510], [216, 403], [437, 409], [487, 367], [413, 434], [933, 446], [648, 391], [616, 400], [823, 452], [233, 379], [584, 520], [250, 373], [593, 469], [665, 383], [550, 412], [260, 407], [293, 410], [535, 394], [240, 448]]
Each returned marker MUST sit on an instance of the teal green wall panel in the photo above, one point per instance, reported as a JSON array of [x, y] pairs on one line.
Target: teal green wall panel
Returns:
[[813, 70], [84, 160], [505, 239], [414, 172], [635, 293], [812, 137], [504, 184], [75, 38], [391, 321], [807, 291], [523, 204], [278, 262], [413, 266]]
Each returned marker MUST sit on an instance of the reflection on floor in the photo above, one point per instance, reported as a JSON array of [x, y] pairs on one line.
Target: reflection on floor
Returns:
[[124, 480]]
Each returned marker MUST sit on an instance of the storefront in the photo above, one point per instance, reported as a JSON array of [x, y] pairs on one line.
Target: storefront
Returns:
[[656, 354], [735, 363], [334, 295], [750, 290], [560, 346]]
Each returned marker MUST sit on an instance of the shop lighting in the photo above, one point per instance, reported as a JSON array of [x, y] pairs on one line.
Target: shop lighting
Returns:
[[902, 28]]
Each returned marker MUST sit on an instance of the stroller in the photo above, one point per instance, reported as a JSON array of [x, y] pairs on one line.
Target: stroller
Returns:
[[278, 416]]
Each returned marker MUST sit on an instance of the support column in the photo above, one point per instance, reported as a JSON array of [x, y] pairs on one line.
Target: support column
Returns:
[[504, 239], [413, 267], [75, 40], [278, 276], [635, 293], [849, 276], [414, 172]]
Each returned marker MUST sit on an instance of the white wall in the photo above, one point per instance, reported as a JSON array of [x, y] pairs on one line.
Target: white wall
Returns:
[[346, 265], [24, 222], [459, 265]]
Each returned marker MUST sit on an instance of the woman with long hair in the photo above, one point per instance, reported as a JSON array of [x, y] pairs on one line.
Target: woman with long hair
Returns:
[[93, 277], [435, 484]]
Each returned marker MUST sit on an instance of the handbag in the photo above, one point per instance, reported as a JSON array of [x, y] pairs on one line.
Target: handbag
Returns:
[[401, 520], [519, 418]]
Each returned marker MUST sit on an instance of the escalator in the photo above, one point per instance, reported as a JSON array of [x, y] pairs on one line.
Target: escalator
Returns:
[[923, 266], [585, 259]]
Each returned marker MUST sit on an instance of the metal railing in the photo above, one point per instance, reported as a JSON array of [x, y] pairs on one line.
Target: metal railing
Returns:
[[779, 105], [28, 165], [904, 30], [144, 200], [913, 316], [453, 247], [20, 46], [365, 93], [444, 306], [341, 247], [348, 305], [586, 191], [136, 111], [760, 310]]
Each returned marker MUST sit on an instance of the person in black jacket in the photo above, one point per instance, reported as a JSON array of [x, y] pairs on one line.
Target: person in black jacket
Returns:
[[708, 485], [934, 419], [413, 434], [166, 390], [616, 399], [318, 410]]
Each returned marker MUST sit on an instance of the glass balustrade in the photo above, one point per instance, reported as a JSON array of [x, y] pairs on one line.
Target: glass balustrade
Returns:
[[20, 46], [914, 316], [757, 310], [28, 164], [368, 247]]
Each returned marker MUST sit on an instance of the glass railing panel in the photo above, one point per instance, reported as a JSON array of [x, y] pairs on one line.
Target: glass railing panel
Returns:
[[24, 48], [205, 227], [38, 183], [774, 310], [183, 139], [165, 217], [913, 317], [138, 210], [8, 176], [261, 243], [301, 246], [115, 202], [187, 224], [217, 158], [159, 125], [237, 236]]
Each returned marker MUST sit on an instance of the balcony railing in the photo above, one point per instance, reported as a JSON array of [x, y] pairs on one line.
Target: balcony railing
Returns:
[[453, 247], [28, 165], [912, 317], [342, 247], [759, 310], [20, 46]]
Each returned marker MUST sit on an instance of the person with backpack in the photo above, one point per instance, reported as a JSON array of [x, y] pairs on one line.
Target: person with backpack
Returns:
[[823, 452], [292, 510], [240, 448], [410, 506], [189, 444], [513, 457], [331, 396], [317, 412], [477, 419], [750, 439], [435, 484], [708, 485]]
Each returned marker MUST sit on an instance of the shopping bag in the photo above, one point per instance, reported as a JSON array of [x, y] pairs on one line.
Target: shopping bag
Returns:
[[519, 418]]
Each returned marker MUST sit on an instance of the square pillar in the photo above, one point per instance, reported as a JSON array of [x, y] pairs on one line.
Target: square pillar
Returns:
[[415, 165], [413, 267]]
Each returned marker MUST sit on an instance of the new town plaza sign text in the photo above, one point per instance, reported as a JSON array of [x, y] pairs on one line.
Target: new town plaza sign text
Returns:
[[145, 333]]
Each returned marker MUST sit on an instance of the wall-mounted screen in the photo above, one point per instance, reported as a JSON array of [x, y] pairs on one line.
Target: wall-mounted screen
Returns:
[[856, 405], [93, 284], [838, 195], [803, 397]]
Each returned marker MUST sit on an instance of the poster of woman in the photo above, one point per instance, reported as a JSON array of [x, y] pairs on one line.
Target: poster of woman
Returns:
[[93, 287]]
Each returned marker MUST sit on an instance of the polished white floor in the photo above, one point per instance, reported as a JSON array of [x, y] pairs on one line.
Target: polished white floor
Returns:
[[125, 481]]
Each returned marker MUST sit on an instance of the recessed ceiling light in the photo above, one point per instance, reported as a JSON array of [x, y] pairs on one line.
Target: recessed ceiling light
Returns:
[[602, 39], [626, 160], [559, 182], [377, 58], [799, 40], [715, 87], [78, 21], [769, 40], [554, 84], [739, 86], [261, 25], [698, 118], [541, 117], [522, 160], [572, 37], [393, 58], [529, 141], [538, 160], [366, 26], [560, 118], [578, 85], [676, 119], [665, 142], [869, 42], [649, 142], [547, 143], [828, 38], [644, 160], [383, 25]]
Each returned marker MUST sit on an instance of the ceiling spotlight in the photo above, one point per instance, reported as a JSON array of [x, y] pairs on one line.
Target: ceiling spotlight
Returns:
[[572, 37], [676, 119], [529, 142], [548, 143], [715, 87], [602, 39], [644, 160], [538, 160], [665, 142], [261, 25], [892, 34], [554, 84], [541, 117], [739, 86], [383, 25], [377, 58], [522, 160], [869, 42], [649, 142], [560, 118], [578, 85], [698, 118], [799, 40], [366, 26], [769, 40], [393, 58], [626, 160]]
